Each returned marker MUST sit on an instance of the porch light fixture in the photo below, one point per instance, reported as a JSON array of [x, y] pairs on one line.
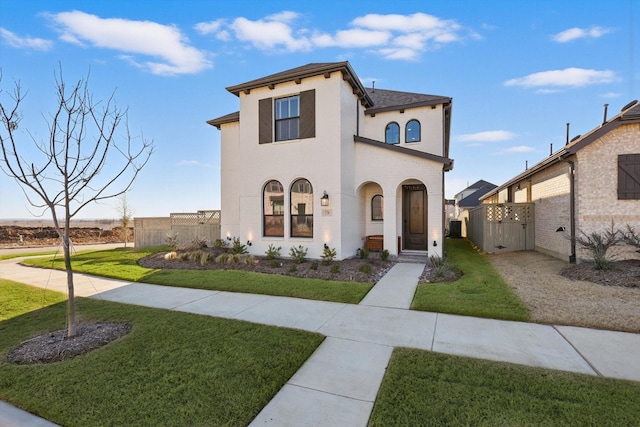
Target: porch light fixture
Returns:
[[324, 200], [435, 243], [249, 243]]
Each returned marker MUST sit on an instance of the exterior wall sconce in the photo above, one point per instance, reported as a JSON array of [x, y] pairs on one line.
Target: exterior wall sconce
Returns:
[[229, 238], [249, 243], [324, 200], [435, 243], [560, 229], [326, 246]]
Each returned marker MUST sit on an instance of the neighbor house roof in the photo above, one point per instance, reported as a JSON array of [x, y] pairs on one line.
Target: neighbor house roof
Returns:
[[473, 199], [630, 113]]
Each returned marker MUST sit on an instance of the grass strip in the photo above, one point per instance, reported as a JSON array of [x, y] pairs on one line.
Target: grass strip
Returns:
[[17, 298], [422, 388], [173, 369], [122, 263], [480, 292]]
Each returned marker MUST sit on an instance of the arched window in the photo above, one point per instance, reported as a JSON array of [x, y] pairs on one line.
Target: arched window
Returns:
[[392, 133], [301, 209], [377, 207], [273, 209], [412, 131]]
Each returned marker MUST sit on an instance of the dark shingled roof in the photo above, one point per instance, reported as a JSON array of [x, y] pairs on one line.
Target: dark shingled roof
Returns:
[[473, 199], [309, 70], [391, 100], [630, 113], [228, 118]]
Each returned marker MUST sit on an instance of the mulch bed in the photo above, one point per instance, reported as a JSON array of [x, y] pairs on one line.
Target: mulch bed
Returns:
[[348, 270], [622, 273], [56, 347]]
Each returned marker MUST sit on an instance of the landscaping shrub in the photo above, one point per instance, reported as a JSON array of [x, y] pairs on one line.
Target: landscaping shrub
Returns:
[[363, 253], [314, 266], [237, 247], [335, 268], [299, 254], [598, 243], [384, 255], [365, 268], [272, 252], [328, 255]]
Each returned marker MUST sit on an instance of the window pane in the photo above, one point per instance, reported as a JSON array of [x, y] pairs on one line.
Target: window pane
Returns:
[[392, 134], [413, 131], [273, 208], [377, 208], [301, 209]]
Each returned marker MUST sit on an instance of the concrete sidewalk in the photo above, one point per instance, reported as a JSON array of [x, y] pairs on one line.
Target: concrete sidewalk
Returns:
[[339, 382]]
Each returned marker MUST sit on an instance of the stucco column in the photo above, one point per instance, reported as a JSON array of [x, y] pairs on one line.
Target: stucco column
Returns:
[[435, 217], [391, 201]]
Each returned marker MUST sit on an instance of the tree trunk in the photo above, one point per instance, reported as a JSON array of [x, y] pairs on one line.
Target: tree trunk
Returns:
[[71, 303]]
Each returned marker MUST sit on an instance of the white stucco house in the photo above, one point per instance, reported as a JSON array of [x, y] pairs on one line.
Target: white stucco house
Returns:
[[314, 158]]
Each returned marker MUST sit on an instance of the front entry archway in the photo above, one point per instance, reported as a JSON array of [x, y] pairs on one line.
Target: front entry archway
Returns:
[[414, 217]]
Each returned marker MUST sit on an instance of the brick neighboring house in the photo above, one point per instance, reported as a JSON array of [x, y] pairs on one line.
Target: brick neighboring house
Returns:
[[314, 158], [468, 199], [605, 187]]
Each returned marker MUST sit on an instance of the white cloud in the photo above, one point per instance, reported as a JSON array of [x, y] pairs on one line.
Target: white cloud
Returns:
[[13, 40], [392, 36], [579, 33], [610, 95], [270, 33], [210, 27], [356, 37], [166, 44], [488, 136], [573, 77]]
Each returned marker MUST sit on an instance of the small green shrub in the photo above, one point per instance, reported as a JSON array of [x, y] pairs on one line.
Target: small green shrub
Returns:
[[335, 268], [314, 266], [299, 254], [205, 258], [365, 268], [272, 252], [184, 256], [384, 255], [292, 268], [363, 253], [220, 244], [237, 247], [275, 264], [437, 261], [328, 255], [196, 256]]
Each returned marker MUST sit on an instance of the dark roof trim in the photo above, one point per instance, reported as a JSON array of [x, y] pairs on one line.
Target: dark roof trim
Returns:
[[444, 101], [448, 163], [309, 70], [227, 118], [629, 115]]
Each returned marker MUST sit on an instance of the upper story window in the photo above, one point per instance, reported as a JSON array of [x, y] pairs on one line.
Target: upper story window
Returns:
[[377, 208], [283, 119], [412, 131], [273, 209], [287, 118], [392, 133]]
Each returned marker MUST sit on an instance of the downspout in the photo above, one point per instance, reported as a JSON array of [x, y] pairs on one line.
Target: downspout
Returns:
[[572, 209], [358, 117]]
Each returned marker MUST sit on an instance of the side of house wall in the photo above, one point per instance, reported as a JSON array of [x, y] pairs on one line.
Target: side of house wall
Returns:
[[597, 182], [550, 194]]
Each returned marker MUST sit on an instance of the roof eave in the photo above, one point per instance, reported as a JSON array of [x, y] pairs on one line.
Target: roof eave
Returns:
[[446, 162]]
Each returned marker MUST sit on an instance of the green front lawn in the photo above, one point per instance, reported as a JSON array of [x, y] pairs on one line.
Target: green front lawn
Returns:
[[480, 292], [122, 263], [17, 298], [173, 369], [421, 388]]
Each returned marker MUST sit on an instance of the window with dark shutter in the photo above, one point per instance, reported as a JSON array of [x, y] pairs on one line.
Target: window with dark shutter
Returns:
[[629, 177], [265, 118], [308, 114]]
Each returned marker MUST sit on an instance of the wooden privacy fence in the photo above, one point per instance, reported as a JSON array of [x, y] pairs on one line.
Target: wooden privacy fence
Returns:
[[502, 227], [185, 227]]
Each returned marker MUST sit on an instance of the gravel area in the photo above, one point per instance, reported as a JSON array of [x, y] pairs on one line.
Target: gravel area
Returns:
[[554, 299]]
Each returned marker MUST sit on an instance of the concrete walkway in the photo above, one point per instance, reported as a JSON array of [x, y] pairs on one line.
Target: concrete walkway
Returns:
[[338, 384]]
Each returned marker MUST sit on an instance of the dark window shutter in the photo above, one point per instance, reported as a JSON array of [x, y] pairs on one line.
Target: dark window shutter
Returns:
[[308, 114], [265, 121], [629, 177]]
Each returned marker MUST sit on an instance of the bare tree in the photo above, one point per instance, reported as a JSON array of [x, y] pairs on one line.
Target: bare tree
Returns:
[[125, 214], [83, 160]]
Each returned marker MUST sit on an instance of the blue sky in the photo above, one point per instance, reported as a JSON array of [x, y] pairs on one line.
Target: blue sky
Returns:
[[517, 71]]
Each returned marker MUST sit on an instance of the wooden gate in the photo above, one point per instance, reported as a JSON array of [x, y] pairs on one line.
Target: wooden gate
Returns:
[[502, 227]]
